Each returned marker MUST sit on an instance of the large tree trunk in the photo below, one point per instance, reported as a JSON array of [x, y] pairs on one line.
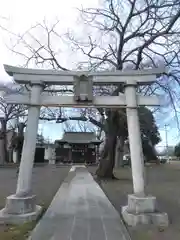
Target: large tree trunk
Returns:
[[2, 155], [149, 151], [107, 160], [3, 140], [20, 139], [106, 165], [119, 152]]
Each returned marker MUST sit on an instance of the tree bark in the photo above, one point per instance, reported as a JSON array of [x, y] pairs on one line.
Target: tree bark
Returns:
[[21, 140], [107, 160], [3, 139], [119, 152], [2, 157], [106, 165]]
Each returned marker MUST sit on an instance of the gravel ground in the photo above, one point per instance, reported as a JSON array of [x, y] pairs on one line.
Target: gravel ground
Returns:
[[163, 182]]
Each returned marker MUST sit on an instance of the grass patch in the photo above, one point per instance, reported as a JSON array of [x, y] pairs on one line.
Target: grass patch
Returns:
[[142, 235], [19, 232]]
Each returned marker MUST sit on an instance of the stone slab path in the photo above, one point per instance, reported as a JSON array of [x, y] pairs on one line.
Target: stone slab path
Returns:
[[80, 211]]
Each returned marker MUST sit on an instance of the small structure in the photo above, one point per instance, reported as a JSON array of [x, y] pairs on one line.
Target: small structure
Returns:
[[77, 147], [50, 153], [6, 149]]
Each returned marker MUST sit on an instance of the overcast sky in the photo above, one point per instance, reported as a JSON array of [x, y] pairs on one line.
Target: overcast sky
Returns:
[[19, 15]]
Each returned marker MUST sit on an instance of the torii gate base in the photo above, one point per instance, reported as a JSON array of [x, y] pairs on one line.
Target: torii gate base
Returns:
[[22, 207], [143, 210], [19, 210]]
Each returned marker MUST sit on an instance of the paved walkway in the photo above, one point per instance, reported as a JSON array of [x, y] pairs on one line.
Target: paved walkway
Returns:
[[80, 211]]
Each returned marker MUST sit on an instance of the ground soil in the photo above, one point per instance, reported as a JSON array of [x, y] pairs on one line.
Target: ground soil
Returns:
[[46, 182], [163, 181]]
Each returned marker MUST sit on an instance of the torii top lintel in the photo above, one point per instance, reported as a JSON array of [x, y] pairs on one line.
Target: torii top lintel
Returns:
[[37, 76]]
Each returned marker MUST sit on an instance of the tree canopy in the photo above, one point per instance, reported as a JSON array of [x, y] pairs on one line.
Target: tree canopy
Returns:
[[177, 150]]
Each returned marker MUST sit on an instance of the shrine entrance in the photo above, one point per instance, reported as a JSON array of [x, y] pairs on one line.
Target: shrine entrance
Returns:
[[83, 83], [79, 153], [82, 154]]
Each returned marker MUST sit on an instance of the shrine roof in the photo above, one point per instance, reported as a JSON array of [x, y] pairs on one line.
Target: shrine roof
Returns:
[[79, 137]]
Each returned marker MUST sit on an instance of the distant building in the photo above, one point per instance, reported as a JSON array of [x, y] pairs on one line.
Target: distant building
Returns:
[[77, 147]]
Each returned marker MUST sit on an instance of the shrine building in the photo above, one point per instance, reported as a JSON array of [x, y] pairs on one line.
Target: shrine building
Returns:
[[77, 147]]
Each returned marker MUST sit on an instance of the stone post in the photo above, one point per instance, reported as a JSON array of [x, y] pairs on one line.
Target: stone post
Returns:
[[141, 209], [46, 154], [51, 155], [15, 156], [21, 207]]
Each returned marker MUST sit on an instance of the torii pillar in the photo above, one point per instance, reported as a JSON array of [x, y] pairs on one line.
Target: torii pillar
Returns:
[[141, 208], [21, 206]]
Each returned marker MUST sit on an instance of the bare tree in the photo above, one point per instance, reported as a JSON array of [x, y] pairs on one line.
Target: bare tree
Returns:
[[9, 113], [130, 34], [133, 34], [79, 124], [42, 46]]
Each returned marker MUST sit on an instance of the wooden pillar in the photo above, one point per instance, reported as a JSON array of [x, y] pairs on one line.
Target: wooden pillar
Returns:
[[97, 153], [85, 154], [70, 155]]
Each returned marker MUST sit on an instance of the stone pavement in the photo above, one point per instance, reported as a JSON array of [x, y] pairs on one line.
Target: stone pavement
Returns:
[[80, 211]]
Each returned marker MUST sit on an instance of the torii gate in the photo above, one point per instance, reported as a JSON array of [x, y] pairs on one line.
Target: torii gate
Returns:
[[21, 206]]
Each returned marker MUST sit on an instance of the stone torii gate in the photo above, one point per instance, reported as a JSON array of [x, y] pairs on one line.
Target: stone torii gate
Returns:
[[21, 206]]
